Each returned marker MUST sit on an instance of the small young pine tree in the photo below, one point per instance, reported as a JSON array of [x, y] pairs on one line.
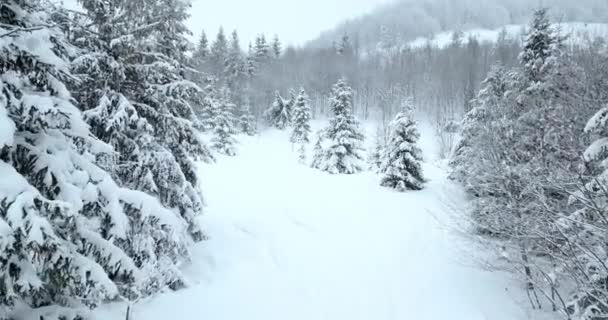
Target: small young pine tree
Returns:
[[343, 155], [376, 155], [318, 151], [301, 120], [223, 141], [401, 168], [247, 122]]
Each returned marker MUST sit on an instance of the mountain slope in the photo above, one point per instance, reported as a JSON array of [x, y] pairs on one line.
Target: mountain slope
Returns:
[[290, 242], [406, 20]]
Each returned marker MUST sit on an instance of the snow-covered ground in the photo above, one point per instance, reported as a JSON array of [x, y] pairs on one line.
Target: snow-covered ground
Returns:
[[289, 242]]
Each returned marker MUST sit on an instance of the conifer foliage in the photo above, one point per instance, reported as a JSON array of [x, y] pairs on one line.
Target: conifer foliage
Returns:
[[70, 235], [343, 153], [301, 125], [301, 120], [279, 115], [401, 167], [223, 140]]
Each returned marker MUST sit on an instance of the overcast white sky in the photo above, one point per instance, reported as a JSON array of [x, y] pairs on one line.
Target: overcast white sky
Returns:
[[294, 21]]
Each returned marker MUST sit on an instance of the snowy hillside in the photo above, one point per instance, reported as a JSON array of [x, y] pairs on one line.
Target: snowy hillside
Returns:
[[577, 33], [290, 242]]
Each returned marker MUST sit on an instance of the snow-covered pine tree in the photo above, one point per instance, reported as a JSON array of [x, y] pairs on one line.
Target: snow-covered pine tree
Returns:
[[165, 99], [247, 122], [207, 109], [376, 155], [235, 64], [291, 104], [301, 120], [201, 53], [318, 152], [301, 125], [223, 140], [401, 167], [585, 229], [63, 220], [219, 54], [475, 126], [279, 115], [263, 52], [343, 154], [277, 48], [157, 98], [251, 62]]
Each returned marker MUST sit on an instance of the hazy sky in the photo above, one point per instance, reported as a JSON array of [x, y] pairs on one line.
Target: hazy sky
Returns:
[[294, 21]]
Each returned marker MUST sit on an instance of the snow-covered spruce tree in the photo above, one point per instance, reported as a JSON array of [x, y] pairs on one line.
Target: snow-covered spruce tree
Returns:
[[301, 120], [279, 115], [63, 220], [218, 55], [247, 122], [343, 154], [262, 51], [223, 140], [207, 109], [301, 125], [145, 62], [318, 151], [277, 48], [201, 53], [165, 98], [401, 167], [584, 253], [376, 155], [235, 64], [251, 66], [476, 125]]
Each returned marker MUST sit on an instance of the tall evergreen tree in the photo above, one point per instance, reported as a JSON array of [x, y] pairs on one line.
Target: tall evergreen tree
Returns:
[[235, 64], [251, 63], [301, 125], [277, 47], [148, 95], [67, 228], [401, 167], [201, 52], [223, 140], [301, 120], [262, 49], [343, 155], [219, 54]]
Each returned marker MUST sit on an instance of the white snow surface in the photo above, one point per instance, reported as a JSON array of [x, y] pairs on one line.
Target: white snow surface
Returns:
[[290, 242]]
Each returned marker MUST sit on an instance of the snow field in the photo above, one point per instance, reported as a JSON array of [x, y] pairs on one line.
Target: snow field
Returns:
[[290, 242]]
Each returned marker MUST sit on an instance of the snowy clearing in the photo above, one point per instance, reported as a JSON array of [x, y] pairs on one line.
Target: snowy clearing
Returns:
[[289, 242]]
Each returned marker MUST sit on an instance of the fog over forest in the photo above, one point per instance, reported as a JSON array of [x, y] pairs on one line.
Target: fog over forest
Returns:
[[429, 159]]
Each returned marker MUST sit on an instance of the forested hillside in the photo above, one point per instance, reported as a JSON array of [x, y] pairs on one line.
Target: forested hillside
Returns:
[[405, 20]]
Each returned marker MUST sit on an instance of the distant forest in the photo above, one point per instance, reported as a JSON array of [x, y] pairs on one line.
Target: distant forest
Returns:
[[408, 19]]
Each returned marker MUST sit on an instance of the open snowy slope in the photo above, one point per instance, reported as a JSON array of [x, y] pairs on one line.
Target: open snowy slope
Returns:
[[289, 242]]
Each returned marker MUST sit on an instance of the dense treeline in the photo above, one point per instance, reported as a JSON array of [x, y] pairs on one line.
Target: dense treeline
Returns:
[[99, 195], [104, 112], [536, 179]]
